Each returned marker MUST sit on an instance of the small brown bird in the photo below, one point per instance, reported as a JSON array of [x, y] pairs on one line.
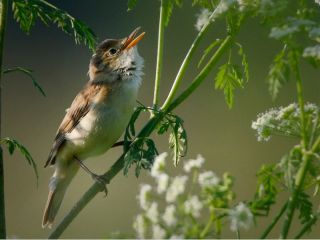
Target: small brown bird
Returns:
[[98, 115]]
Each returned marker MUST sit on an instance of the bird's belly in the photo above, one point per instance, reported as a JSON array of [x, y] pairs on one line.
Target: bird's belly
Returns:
[[98, 130]]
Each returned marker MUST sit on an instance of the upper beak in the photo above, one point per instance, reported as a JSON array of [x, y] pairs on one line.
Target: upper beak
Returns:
[[132, 40]]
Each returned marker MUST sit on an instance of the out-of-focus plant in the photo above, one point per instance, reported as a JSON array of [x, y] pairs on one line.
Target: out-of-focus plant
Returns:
[[195, 205], [26, 12]]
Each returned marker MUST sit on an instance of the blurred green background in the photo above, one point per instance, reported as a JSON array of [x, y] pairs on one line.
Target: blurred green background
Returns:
[[224, 137]]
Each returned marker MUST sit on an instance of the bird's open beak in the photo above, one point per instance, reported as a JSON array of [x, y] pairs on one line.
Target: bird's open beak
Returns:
[[132, 40]]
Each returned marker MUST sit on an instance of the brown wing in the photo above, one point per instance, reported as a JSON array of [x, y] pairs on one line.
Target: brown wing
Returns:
[[79, 108]]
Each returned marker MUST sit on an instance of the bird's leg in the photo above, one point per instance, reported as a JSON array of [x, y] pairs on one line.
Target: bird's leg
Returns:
[[99, 178]]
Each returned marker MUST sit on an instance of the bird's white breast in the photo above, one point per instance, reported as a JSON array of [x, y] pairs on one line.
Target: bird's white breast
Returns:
[[106, 120]]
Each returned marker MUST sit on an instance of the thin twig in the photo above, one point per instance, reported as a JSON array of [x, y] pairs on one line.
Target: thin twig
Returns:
[[159, 53]]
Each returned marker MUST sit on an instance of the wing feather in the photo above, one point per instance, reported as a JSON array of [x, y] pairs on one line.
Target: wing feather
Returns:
[[78, 109]]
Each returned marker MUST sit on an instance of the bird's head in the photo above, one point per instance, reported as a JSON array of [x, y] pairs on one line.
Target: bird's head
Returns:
[[117, 58]]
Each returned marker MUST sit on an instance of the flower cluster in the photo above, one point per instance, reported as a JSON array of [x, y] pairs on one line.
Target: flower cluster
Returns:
[[174, 208], [285, 121]]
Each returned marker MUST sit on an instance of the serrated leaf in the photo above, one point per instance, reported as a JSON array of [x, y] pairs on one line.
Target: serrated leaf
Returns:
[[244, 62], [279, 73], [305, 207], [228, 78], [131, 4], [14, 144], [209, 50], [28, 72], [26, 13]]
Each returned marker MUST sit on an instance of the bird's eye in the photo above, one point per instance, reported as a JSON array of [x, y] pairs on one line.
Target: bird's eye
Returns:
[[113, 51]]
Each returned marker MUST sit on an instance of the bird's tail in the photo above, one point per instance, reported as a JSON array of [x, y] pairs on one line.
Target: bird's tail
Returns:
[[57, 188]]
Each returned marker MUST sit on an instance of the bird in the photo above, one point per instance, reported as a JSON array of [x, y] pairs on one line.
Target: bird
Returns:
[[97, 116]]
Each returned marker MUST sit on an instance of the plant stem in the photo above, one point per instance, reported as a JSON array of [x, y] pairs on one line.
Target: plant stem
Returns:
[[202, 75], [3, 24], [205, 231], [186, 62], [306, 158], [307, 227], [274, 221], [159, 54], [294, 198]]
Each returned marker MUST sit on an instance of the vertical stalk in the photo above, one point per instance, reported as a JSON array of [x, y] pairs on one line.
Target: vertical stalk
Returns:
[[274, 221], [159, 54], [306, 158], [3, 21], [186, 62]]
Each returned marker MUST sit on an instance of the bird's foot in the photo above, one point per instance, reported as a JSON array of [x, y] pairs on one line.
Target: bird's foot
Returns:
[[102, 181]]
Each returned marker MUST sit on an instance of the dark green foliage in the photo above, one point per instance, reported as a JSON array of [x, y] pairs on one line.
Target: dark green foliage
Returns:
[[28, 72], [13, 144], [142, 152], [26, 12], [267, 190], [131, 4], [305, 207]]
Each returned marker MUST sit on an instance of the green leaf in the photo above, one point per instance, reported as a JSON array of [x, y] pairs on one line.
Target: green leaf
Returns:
[[305, 207], [168, 8], [279, 73], [142, 152], [244, 62], [26, 13], [209, 50], [131, 4], [229, 77], [13, 144], [28, 72]]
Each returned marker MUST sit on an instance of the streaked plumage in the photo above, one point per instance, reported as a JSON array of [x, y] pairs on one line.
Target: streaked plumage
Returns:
[[97, 116]]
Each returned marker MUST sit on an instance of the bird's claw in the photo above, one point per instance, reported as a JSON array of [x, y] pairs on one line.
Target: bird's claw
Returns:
[[102, 181]]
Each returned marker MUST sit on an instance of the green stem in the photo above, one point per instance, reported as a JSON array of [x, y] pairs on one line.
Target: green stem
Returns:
[[202, 75], [3, 24], [207, 227], [274, 221], [306, 158], [301, 103], [159, 54], [306, 227], [294, 198], [186, 62]]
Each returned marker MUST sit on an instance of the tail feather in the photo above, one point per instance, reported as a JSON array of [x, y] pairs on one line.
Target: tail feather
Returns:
[[59, 183]]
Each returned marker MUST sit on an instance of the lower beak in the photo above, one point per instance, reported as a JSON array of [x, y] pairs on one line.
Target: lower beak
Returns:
[[132, 40]]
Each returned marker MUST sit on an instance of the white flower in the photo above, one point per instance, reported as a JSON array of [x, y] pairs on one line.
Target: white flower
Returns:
[[163, 181], [143, 196], [208, 179], [240, 217], [317, 2], [158, 165], [169, 215], [158, 232], [193, 163], [176, 188], [152, 213], [202, 18], [313, 52], [139, 226], [193, 206]]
